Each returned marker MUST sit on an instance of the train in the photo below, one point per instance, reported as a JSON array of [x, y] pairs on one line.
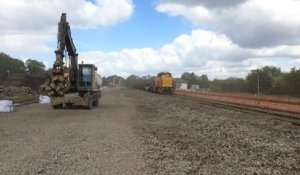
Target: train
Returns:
[[163, 83]]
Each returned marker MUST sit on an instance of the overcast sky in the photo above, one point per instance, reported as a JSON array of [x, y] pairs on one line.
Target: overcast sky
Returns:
[[218, 38]]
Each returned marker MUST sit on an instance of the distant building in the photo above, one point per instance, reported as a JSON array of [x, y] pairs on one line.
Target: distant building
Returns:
[[195, 86], [181, 84], [113, 81]]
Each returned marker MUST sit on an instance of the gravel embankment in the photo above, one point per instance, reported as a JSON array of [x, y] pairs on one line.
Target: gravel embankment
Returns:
[[137, 132], [183, 137]]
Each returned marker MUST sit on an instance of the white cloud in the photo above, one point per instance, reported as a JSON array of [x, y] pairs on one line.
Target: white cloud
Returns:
[[244, 35], [252, 23], [202, 51], [27, 25], [279, 51], [40, 16], [25, 43]]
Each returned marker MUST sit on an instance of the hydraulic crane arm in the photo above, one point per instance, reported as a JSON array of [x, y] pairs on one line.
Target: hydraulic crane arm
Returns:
[[64, 40], [65, 43]]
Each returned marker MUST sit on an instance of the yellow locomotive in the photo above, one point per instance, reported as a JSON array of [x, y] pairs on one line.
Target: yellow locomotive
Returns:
[[163, 83]]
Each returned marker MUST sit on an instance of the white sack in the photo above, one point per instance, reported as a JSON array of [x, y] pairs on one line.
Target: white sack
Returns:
[[6, 106], [44, 99]]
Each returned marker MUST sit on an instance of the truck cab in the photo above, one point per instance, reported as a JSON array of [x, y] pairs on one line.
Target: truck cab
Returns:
[[87, 79]]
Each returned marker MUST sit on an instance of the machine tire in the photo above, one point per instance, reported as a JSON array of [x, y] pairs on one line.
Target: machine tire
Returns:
[[59, 106], [171, 91], [160, 90], [96, 102], [90, 104], [68, 104]]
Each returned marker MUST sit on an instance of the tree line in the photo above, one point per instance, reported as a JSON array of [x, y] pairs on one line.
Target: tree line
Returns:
[[34, 71], [268, 80]]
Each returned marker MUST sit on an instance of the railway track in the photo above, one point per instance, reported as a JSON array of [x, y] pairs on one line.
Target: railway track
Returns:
[[291, 117]]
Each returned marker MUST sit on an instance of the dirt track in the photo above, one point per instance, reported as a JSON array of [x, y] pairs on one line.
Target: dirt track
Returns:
[[136, 132]]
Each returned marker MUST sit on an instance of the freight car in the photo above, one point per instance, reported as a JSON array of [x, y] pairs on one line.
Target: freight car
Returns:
[[163, 83]]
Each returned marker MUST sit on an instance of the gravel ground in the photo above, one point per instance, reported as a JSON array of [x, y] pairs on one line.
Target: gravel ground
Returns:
[[137, 132], [184, 137], [35, 139]]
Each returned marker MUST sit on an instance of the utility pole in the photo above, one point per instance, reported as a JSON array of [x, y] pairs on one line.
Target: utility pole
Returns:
[[258, 99]]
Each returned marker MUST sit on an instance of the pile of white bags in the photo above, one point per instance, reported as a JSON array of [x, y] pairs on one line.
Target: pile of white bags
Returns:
[[6, 106], [44, 99]]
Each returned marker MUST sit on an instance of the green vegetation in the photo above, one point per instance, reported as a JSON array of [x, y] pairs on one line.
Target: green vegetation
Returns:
[[33, 71], [288, 83], [9, 65], [194, 79], [267, 75], [35, 67], [228, 85], [272, 81], [137, 82]]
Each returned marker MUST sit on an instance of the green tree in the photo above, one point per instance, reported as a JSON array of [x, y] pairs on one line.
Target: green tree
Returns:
[[186, 76], [35, 67], [203, 81], [292, 82], [229, 85], [194, 79], [267, 75], [190, 78], [281, 85], [132, 80], [11, 65]]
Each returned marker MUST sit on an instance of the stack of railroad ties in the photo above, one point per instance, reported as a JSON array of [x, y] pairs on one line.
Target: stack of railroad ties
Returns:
[[55, 86], [58, 85]]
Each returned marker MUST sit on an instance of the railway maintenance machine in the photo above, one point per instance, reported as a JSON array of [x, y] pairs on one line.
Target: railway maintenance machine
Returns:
[[71, 83]]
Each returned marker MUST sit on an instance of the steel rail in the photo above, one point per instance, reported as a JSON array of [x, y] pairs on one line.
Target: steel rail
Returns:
[[278, 115]]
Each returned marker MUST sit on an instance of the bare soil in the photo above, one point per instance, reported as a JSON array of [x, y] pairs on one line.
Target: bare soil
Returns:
[[137, 132]]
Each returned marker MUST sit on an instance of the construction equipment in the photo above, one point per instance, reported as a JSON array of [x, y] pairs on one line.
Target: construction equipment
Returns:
[[163, 83], [71, 83]]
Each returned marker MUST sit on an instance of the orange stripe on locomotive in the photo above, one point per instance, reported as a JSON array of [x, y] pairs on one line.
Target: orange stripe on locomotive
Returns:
[[164, 83]]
